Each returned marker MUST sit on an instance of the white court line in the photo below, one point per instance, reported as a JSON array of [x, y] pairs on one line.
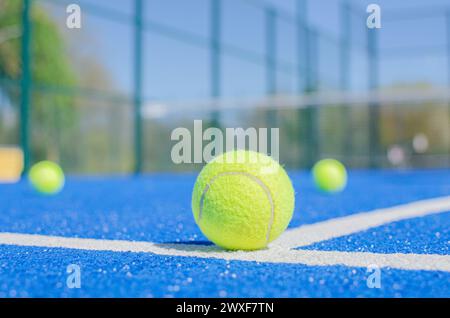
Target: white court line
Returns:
[[272, 255], [333, 228], [280, 252]]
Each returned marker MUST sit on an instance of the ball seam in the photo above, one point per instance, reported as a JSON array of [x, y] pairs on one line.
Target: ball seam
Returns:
[[252, 177]]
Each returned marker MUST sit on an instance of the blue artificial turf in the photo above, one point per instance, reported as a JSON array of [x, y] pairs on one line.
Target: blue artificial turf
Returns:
[[424, 235], [41, 272], [156, 208]]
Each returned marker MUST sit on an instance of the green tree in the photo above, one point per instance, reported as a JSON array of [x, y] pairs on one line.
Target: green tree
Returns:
[[53, 115]]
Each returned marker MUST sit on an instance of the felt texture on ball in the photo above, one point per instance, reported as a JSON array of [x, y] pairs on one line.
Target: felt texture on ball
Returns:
[[243, 200], [47, 177], [330, 175]]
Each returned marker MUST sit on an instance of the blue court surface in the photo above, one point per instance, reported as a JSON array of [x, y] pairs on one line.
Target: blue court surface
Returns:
[[137, 238]]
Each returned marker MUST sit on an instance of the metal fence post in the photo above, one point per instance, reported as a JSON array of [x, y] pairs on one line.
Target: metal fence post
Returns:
[[304, 78], [215, 47], [307, 51], [26, 84], [345, 72], [137, 98], [447, 20], [302, 44], [271, 67], [313, 111], [374, 107], [271, 51]]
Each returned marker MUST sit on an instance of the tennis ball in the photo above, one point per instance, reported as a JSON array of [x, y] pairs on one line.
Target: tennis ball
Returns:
[[242, 200], [46, 177], [330, 175]]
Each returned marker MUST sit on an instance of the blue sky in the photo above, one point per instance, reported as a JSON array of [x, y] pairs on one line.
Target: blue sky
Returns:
[[176, 70]]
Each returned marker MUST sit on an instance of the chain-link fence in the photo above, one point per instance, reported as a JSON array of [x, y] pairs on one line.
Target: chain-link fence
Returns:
[[89, 97]]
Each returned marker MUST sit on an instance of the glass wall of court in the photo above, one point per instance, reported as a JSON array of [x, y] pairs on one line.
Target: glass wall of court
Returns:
[[89, 98]]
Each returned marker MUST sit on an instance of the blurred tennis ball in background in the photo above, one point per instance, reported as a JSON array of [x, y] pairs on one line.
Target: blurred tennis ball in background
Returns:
[[242, 200], [330, 175], [47, 177]]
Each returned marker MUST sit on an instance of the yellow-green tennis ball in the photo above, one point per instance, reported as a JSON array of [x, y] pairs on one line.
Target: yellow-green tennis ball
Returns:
[[46, 177], [243, 200], [330, 175]]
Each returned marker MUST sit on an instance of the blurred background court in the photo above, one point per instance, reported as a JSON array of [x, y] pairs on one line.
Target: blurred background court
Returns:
[[105, 98]]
